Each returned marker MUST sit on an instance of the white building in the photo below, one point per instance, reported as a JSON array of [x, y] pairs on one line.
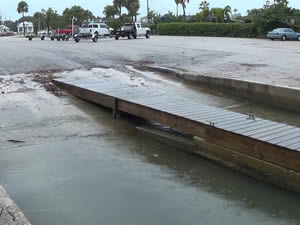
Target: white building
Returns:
[[4, 29], [28, 27]]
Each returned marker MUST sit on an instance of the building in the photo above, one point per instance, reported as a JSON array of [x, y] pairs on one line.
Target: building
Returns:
[[4, 29], [28, 27]]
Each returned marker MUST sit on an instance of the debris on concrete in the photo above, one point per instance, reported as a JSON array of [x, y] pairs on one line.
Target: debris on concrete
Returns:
[[16, 141]]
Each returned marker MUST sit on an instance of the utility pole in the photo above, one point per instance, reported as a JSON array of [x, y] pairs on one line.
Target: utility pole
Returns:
[[39, 24], [148, 11], [73, 18]]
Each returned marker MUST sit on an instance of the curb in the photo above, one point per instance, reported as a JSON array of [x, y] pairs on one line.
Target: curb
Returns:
[[275, 95]]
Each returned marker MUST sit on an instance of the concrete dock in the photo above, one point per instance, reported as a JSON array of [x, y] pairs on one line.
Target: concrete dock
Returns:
[[273, 144], [10, 214]]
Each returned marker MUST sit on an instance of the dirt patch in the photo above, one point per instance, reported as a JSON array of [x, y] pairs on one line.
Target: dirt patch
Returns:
[[45, 79]]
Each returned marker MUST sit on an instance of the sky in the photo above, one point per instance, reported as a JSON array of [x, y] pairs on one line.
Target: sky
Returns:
[[8, 7]]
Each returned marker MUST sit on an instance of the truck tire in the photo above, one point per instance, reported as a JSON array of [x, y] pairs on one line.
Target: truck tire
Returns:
[[134, 36], [30, 38], [148, 35], [129, 36], [95, 39], [58, 39], [67, 38], [42, 37], [116, 37], [283, 38], [52, 38], [77, 40]]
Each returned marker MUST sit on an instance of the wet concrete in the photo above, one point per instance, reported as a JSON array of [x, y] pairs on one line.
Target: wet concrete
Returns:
[[10, 214], [246, 59], [71, 163]]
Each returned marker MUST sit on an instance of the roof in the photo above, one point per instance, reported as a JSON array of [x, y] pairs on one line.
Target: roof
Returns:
[[27, 24], [3, 27]]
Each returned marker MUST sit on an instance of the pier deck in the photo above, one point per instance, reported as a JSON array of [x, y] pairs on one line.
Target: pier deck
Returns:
[[266, 140]]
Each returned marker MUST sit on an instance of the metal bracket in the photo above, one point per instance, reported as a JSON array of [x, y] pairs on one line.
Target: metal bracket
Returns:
[[213, 124], [251, 116]]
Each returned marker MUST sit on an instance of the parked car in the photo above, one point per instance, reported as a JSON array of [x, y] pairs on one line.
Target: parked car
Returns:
[[132, 30], [283, 34]]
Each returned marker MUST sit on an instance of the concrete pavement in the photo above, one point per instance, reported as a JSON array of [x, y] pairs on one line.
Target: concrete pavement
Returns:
[[256, 60]]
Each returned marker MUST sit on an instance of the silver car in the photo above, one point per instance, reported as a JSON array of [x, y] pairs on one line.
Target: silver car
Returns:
[[283, 34]]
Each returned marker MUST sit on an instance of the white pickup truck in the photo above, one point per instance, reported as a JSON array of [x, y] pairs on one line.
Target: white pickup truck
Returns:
[[99, 29], [132, 30]]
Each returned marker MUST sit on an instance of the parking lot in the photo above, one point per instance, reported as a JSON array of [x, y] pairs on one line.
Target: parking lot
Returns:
[[259, 60]]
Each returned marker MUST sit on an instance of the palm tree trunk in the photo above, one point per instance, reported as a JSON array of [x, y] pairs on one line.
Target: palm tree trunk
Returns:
[[23, 24], [183, 9], [177, 10]]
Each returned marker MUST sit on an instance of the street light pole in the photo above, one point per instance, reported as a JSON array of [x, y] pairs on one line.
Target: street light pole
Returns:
[[148, 11], [73, 18]]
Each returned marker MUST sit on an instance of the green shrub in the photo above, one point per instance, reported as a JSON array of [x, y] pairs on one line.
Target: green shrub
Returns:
[[153, 28], [246, 30], [115, 23], [296, 28]]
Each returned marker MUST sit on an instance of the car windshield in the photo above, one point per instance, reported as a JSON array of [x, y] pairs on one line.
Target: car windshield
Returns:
[[278, 30]]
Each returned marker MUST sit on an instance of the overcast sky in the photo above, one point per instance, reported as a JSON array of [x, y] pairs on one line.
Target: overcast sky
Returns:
[[8, 7]]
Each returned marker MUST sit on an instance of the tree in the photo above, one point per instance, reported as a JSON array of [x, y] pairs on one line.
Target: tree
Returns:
[[277, 15], [79, 13], [204, 5], [219, 14], [177, 2], [184, 4], [133, 7], [227, 13], [118, 4], [22, 8], [154, 17], [110, 11], [51, 18], [267, 4], [39, 19]]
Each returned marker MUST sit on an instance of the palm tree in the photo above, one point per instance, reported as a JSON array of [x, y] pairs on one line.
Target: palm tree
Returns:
[[184, 3], [118, 4], [177, 2], [133, 7], [110, 11], [22, 8], [227, 13], [204, 5]]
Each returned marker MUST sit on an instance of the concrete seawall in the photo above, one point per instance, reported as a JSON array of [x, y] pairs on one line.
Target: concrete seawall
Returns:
[[275, 95], [258, 169], [10, 214]]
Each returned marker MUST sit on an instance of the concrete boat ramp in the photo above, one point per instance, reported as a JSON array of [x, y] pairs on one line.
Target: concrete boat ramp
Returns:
[[261, 148]]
